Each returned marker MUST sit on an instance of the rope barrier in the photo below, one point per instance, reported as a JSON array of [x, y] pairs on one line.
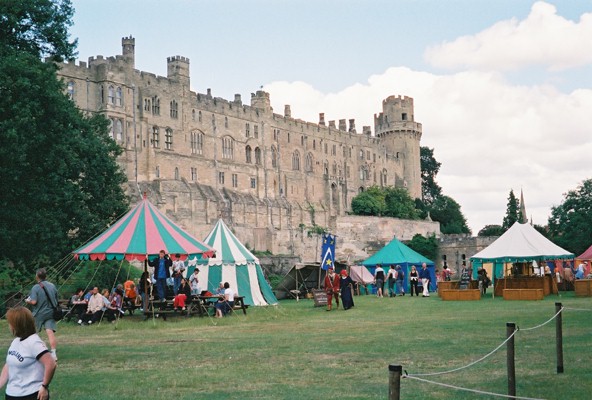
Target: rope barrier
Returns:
[[469, 390], [576, 309], [544, 323], [468, 365]]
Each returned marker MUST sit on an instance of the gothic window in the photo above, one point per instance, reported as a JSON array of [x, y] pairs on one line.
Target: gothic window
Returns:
[[334, 150], [174, 113], [155, 138], [248, 130], [361, 154], [384, 177], [308, 163], [374, 157], [111, 95], [253, 183], [176, 173], [193, 174], [118, 130], [256, 131], [102, 94], [118, 97], [257, 156], [147, 105], [362, 173], [344, 152], [234, 180], [326, 167], [193, 115], [221, 178], [276, 134], [288, 137], [301, 140], [199, 143], [168, 139], [199, 116], [225, 122], [273, 157], [296, 161], [314, 144], [227, 148], [155, 105], [71, 90], [248, 154]]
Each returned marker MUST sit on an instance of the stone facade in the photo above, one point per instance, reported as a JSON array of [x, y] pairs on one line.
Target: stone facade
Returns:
[[455, 247], [201, 157]]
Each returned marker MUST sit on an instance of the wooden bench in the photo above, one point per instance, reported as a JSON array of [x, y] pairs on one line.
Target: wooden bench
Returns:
[[206, 305], [163, 308], [459, 294], [523, 294]]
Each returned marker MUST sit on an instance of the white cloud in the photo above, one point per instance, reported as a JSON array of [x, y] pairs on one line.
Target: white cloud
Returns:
[[543, 38], [490, 136]]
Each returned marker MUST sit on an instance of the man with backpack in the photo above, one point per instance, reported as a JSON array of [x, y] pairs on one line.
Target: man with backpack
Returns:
[[44, 298]]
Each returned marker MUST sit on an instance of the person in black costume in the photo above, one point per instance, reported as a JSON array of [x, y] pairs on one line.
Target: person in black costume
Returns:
[[346, 287]]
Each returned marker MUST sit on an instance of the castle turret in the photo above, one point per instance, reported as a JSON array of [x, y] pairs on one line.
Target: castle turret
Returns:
[[401, 135], [128, 45], [178, 69], [260, 101]]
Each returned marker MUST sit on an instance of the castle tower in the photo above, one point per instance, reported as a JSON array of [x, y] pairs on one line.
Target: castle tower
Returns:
[[128, 45], [261, 101], [401, 136], [178, 69]]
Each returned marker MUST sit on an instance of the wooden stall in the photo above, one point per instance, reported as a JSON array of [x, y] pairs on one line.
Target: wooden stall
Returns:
[[545, 283], [583, 287]]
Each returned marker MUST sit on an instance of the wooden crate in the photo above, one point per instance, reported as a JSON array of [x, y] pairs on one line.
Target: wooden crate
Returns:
[[524, 294], [460, 294], [583, 287]]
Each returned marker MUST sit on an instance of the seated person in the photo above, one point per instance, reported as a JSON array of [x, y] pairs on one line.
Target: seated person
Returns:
[[183, 294], [220, 290], [94, 310], [77, 304], [113, 304], [130, 294], [226, 302]]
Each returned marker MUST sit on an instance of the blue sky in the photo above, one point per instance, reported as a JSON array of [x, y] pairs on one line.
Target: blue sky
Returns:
[[503, 88]]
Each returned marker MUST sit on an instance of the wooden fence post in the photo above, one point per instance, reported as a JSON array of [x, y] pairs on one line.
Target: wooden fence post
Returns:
[[510, 328], [559, 337], [395, 372]]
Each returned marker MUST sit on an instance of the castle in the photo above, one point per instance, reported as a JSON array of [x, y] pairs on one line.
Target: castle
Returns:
[[201, 157]]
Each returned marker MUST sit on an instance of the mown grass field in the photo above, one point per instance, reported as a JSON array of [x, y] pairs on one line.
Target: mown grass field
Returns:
[[297, 351]]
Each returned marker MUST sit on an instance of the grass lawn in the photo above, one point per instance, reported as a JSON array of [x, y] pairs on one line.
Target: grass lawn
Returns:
[[297, 351]]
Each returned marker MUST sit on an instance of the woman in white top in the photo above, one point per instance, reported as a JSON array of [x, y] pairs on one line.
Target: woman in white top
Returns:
[[226, 303], [29, 365]]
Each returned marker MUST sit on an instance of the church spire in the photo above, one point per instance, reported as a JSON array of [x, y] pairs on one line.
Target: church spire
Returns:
[[523, 218]]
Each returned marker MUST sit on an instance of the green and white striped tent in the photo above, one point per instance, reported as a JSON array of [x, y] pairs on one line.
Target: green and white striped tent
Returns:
[[234, 264]]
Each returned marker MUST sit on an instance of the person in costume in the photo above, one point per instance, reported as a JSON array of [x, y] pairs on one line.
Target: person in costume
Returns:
[[332, 288], [346, 285]]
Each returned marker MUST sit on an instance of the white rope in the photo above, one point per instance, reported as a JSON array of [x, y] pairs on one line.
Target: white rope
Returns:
[[577, 309], [470, 364], [470, 390], [544, 323]]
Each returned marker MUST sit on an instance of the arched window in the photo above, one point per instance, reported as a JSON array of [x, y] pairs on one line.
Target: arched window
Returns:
[[174, 113], [248, 154], [177, 173], [155, 105], [111, 95], [193, 115], [273, 157], [118, 130], [154, 140], [196, 141], [112, 128], [257, 156], [118, 97], [199, 116], [296, 161], [308, 165], [147, 105], [326, 167], [227, 148], [71, 90], [247, 129], [168, 139]]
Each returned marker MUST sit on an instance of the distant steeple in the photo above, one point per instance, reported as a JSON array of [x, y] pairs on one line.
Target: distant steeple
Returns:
[[523, 217]]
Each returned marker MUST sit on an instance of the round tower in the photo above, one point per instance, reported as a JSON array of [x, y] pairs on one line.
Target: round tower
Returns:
[[401, 135]]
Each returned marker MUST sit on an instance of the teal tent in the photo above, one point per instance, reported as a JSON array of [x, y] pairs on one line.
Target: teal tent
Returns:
[[235, 264], [397, 253]]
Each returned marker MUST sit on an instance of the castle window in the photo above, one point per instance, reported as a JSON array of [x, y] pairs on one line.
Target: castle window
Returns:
[[193, 174], [111, 95], [334, 169], [174, 113], [350, 152], [276, 134], [118, 130], [326, 167], [199, 116], [118, 97], [234, 180], [288, 137], [314, 144], [228, 148], [158, 171], [112, 128], [71, 90], [362, 173], [221, 178], [308, 165], [154, 140], [404, 116], [257, 156], [374, 157], [296, 161], [196, 141], [326, 147], [248, 130], [256, 131], [368, 155], [193, 115], [347, 173], [301, 140], [225, 122], [155, 105], [176, 173], [273, 157], [102, 94], [253, 183], [147, 105], [384, 180], [248, 154], [168, 139], [334, 150], [361, 154]]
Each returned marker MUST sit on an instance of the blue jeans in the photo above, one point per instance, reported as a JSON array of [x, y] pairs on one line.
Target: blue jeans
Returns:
[[400, 287], [161, 288], [176, 284]]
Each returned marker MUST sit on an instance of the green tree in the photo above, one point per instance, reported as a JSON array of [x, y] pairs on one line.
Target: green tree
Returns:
[[426, 246], [430, 190], [570, 222], [399, 204], [58, 172], [512, 211], [447, 211], [491, 230], [369, 202]]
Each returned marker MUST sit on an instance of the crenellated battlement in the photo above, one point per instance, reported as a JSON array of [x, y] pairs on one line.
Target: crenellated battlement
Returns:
[[179, 59]]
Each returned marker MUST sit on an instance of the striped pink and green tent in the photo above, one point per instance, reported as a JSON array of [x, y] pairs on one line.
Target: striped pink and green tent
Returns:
[[143, 231]]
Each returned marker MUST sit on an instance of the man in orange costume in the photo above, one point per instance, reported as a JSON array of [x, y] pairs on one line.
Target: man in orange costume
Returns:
[[332, 288]]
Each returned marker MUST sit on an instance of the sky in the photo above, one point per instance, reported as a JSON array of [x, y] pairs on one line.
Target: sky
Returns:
[[502, 88]]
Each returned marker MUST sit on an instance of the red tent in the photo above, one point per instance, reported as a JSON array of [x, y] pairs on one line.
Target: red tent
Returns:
[[585, 256]]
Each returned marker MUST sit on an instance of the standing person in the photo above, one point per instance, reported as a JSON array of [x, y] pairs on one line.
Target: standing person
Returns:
[[332, 288], [465, 277], [424, 275], [346, 285], [29, 366], [144, 288], [580, 272], [379, 280], [414, 281], [161, 267], [391, 278], [194, 281], [178, 269], [400, 281], [43, 298]]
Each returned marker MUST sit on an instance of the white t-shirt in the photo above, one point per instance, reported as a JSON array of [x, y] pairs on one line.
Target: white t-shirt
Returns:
[[178, 266], [230, 293], [25, 372], [194, 280]]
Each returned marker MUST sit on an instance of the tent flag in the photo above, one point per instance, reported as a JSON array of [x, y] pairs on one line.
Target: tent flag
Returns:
[[328, 251]]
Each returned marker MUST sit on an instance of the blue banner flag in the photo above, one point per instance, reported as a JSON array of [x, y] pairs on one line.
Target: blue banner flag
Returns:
[[328, 251]]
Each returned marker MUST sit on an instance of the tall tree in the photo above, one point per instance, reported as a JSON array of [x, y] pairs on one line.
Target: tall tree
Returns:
[[512, 211], [60, 180], [491, 230], [426, 246], [399, 204], [447, 211], [430, 190], [570, 222], [369, 202]]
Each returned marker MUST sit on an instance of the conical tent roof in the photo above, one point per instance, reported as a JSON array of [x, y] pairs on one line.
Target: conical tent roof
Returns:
[[396, 252], [235, 264], [143, 231], [521, 243], [587, 255]]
